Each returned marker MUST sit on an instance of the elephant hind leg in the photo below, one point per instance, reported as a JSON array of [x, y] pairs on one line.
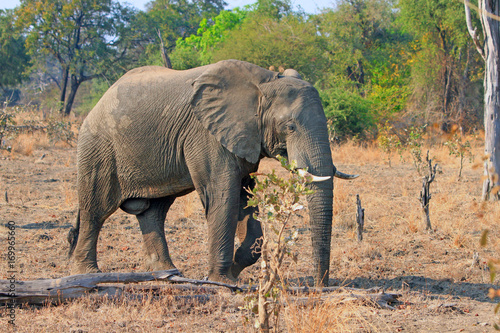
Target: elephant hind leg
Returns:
[[152, 223], [249, 231], [73, 235], [85, 235]]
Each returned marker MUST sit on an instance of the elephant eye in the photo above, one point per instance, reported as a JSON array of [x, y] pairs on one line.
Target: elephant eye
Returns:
[[291, 128]]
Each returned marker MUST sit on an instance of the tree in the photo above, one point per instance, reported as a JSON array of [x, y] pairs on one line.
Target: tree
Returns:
[[290, 42], [354, 32], [489, 11], [366, 77], [87, 38], [442, 64], [13, 57], [197, 49], [171, 19]]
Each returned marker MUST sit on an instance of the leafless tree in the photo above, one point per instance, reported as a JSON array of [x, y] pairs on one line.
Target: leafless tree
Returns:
[[488, 11]]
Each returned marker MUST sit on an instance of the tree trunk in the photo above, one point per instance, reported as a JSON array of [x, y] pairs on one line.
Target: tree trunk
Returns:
[[463, 86], [63, 88], [489, 51], [447, 88], [491, 98], [75, 84]]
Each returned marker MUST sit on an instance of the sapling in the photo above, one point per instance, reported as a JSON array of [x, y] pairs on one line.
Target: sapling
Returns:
[[278, 200], [388, 142], [415, 142], [459, 148]]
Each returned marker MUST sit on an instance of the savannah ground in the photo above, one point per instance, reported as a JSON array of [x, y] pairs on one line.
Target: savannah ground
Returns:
[[444, 289]]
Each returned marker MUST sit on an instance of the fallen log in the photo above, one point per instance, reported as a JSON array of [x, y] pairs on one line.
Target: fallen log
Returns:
[[117, 285], [70, 287]]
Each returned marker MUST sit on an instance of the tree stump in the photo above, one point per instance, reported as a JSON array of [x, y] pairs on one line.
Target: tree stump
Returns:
[[360, 218]]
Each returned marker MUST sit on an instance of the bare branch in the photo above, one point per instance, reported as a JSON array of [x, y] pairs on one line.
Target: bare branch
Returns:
[[473, 30]]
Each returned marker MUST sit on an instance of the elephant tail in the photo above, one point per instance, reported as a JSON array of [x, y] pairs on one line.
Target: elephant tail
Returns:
[[73, 235]]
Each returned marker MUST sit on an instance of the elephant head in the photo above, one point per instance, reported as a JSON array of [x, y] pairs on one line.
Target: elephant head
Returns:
[[257, 113]]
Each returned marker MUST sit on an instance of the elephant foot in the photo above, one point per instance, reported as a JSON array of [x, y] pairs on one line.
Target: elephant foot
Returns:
[[222, 278], [236, 269], [84, 269], [228, 278], [158, 266]]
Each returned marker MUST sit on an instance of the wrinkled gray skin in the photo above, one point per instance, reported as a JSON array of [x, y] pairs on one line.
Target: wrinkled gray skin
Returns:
[[158, 134]]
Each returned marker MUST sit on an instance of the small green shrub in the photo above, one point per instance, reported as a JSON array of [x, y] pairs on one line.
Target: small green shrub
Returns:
[[388, 141], [7, 124], [415, 141], [459, 148], [60, 130], [278, 200]]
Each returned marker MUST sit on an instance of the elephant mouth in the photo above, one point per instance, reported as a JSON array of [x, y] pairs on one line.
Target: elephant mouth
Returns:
[[311, 178], [338, 174]]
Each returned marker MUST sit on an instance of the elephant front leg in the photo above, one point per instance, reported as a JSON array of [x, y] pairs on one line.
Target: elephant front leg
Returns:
[[152, 223], [221, 207], [249, 231]]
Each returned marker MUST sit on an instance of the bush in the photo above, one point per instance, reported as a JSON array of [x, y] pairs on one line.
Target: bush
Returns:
[[349, 115]]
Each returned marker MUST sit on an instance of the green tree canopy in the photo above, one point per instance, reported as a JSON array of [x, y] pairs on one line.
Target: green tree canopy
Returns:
[[291, 42], [197, 49], [368, 71], [442, 61], [13, 56], [88, 38], [172, 19]]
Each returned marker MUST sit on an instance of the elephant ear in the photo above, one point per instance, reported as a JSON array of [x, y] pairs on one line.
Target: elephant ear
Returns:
[[226, 100]]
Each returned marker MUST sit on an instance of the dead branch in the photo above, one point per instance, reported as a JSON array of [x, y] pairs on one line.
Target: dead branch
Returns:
[[164, 56], [381, 300], [326, 290], [473, 30], [425, 193], [26, 128]]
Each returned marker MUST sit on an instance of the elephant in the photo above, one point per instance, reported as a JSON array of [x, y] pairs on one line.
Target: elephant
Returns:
[[158, 134]]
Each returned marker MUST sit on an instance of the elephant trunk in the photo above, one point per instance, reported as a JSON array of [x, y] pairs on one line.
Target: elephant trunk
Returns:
[[320, 208], [320, 216]]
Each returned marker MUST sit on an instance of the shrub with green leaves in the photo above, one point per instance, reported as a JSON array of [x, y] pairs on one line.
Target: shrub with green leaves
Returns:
[[60, 130], [278, 199], [7, 124], [349, 115]]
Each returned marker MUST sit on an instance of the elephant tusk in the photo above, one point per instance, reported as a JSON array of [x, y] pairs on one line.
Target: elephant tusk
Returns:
[[304, 173], [342, 175]]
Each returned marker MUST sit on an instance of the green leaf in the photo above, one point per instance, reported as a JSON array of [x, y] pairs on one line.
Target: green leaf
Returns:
[[484, 238]]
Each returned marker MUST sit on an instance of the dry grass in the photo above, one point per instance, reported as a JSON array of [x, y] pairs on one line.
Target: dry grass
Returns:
[[397, 253], [26, 144], [330, 316]]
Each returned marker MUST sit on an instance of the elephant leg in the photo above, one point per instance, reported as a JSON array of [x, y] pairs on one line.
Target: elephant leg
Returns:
[[85, 253], [248, 231], [152, 223], [221, 201]]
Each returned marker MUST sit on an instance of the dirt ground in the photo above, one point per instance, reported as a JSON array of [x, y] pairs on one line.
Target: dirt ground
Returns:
[[442, 275]]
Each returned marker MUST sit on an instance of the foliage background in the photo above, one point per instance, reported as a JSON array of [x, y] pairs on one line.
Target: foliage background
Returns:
[[406, 63]]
